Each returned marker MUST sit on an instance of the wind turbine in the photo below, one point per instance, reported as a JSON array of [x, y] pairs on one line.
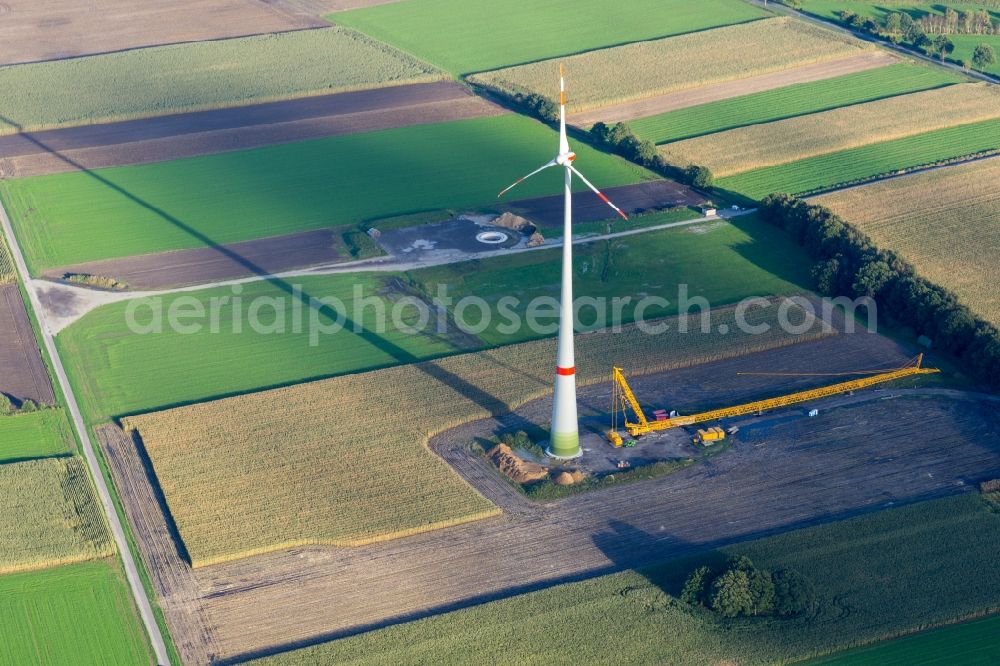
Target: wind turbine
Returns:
[[564, 441]]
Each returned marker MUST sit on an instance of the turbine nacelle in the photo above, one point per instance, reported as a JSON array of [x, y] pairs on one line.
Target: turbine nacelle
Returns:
[[565, 159]]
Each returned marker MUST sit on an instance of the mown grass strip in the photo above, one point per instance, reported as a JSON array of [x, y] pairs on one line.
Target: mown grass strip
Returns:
[[34, 435], [791, 101], [827, 171], [69, 615]]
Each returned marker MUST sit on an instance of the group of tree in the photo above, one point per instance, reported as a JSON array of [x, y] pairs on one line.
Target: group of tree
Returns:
[[7, 407], [849, 264], [743, 590], [930, 33], [620, 139]]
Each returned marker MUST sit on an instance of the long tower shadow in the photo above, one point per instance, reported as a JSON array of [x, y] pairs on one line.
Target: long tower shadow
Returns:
[[488, 402]]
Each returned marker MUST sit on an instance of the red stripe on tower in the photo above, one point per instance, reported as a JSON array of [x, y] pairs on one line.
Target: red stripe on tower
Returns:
[[565, 371]]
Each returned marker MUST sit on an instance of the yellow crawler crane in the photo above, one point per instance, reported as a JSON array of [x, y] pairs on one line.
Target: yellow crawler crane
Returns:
[[623, 400]]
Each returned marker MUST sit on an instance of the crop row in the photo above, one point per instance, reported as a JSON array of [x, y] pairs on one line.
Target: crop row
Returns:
[[771, 144], [825, 171], [50, 515]]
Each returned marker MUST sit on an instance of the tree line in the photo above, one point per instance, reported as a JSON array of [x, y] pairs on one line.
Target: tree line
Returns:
[[849, 264], [900, 27]]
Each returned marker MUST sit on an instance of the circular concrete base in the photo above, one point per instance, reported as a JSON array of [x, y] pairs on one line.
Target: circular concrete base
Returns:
[[576, 455]]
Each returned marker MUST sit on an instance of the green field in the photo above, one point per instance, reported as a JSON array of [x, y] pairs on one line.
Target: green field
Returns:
[[73, 614], [949, 545], [34, 435], [182, 77], [118, 373], [826, 171], [964, 44], [795, 100], [971, 643], [718, 261], [224, 198], [478, 35]]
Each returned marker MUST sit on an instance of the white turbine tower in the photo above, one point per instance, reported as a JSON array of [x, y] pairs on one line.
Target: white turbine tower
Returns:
[[564, 441]]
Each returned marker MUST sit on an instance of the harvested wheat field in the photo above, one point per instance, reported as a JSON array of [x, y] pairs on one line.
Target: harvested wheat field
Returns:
[[49, 515], [946, 222], [594, 79], [345, 461], [770, 144]]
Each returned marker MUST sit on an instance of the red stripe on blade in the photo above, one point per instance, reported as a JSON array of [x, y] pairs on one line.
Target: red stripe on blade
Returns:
[[565, 371]]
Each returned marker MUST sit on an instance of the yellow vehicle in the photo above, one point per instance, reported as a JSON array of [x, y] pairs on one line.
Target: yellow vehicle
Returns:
[[624, 401], [709, 435]]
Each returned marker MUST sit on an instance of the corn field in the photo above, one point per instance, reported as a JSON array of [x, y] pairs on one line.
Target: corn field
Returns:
[[49, 515], [946, 222], [345, 461], [770, 144], [598, 78], [200, 75]]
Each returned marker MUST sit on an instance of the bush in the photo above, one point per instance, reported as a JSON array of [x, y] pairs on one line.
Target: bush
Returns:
[[731, 595], [695, 590], [29, 405], [6, 406], [742, 589], [794, 594], [699, 176]]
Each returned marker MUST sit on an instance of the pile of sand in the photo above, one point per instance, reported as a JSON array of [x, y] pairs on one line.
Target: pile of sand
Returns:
[[565, 478], [511, 221], [519, 471]]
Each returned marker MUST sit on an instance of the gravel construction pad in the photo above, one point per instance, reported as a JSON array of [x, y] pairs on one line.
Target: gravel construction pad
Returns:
[[32, 30], [22, 372], [458, 235], [204, 132]]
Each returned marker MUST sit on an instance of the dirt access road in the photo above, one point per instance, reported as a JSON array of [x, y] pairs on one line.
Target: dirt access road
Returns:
[[204, 132], [34, 30], [719, 91], [786, 471]]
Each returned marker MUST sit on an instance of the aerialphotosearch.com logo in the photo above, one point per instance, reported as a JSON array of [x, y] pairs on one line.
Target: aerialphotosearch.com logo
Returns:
[[318, 318]]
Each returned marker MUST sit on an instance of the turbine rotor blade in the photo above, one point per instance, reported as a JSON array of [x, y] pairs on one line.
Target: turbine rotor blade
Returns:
[[524, 178], [598, 192]]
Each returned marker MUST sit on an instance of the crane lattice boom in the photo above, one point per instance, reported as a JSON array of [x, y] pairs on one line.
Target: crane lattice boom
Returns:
[[623, 397]]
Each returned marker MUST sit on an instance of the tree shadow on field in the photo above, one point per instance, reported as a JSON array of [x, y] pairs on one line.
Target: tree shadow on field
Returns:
[[434, 371]]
